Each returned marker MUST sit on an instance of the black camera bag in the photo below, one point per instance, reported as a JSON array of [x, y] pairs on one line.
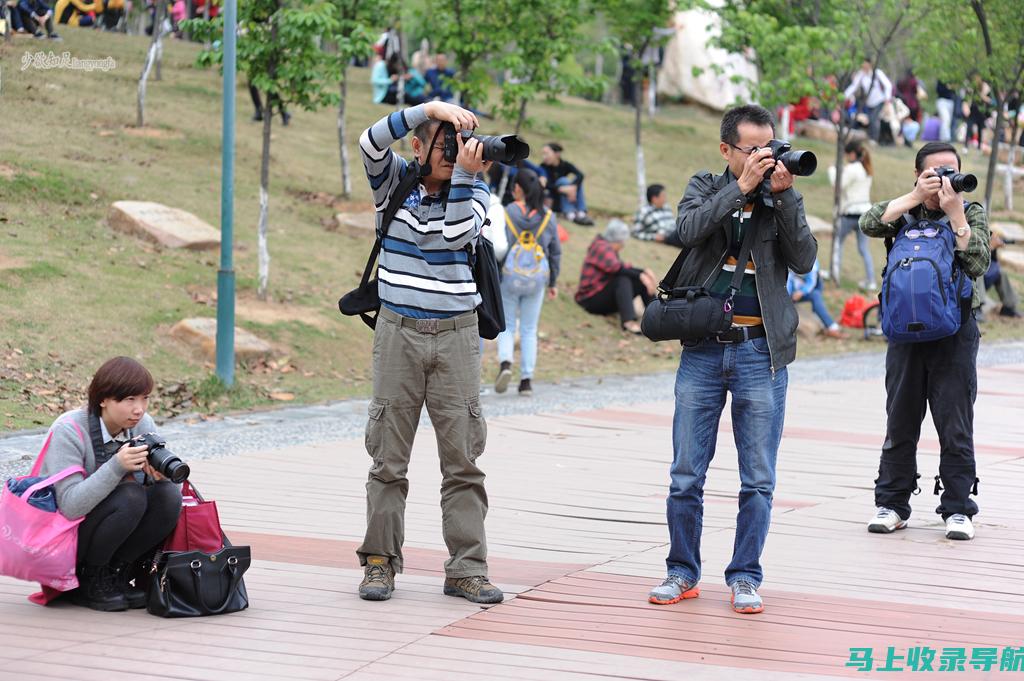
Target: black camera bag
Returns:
[[689, 313]]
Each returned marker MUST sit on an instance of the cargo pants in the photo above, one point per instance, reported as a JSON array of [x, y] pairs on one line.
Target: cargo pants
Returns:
[[434, 362]]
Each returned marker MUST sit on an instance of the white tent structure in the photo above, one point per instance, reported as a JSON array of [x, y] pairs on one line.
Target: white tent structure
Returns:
[[688, 49]]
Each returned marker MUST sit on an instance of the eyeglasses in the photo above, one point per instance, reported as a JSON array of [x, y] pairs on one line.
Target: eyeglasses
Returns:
[[929, 232], [745, 152]]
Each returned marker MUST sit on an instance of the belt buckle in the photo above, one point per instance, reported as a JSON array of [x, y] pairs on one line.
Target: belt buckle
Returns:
[[427, 325], [724, 341]]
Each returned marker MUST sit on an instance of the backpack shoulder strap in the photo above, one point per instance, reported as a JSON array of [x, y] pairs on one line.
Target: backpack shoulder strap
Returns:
[[511, 227], [543, 225]]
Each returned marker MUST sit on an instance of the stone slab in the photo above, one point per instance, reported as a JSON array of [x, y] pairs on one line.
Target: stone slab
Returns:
[[819, 226], [169, 227], [1009, 230], [201, 334], [1012, 258], [365, 221]]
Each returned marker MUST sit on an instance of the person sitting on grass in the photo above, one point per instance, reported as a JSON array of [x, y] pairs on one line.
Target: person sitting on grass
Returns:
[[807, 288], [564, 185], [608, 285], [655, 221], [129, 508], [37, 15]]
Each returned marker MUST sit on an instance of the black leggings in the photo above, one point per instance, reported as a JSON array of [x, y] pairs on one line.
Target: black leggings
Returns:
[[129, 523], [617, 296]]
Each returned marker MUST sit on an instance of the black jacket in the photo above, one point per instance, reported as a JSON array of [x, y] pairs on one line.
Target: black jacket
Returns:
[[783, 241]]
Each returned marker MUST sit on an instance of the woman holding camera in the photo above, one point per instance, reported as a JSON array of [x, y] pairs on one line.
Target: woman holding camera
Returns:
[[129, 507]]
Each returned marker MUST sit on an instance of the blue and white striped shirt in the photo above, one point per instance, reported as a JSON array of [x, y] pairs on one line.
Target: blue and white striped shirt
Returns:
[[424, 269]]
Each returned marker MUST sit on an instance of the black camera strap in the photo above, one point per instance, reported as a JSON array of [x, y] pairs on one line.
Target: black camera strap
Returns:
[[395, 201], [99, 448], [669, 282]]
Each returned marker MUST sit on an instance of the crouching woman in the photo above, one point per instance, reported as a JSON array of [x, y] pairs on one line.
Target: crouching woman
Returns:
[[129, 507]]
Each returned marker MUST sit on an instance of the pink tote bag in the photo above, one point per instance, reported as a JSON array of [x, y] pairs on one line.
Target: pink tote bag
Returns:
[[37, 545]]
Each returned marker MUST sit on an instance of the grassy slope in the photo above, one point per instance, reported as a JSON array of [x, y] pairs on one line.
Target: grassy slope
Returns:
[[73, 293]]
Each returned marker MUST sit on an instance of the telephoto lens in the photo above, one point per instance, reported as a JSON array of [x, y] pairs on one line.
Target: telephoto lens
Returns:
[[163, 460], [501, 148], [961, 182]]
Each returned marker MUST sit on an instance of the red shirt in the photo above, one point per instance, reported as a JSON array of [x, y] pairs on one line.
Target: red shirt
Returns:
[[600, 265]]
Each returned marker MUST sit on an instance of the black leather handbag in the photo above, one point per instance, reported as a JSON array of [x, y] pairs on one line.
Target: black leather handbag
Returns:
[[689, 313], [196, 584]]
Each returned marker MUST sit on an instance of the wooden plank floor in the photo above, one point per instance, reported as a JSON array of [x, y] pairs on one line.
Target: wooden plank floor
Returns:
[[576, 528]]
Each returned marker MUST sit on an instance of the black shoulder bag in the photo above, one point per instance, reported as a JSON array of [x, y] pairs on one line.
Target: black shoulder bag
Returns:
[[688, 313], [491, 312], [365, 298]]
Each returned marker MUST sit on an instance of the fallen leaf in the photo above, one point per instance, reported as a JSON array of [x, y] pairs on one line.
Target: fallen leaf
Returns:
[[282, 397]]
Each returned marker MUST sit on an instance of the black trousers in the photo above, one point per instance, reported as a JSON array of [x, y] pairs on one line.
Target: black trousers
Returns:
[[942, 376], [618, 296], [131, 522]]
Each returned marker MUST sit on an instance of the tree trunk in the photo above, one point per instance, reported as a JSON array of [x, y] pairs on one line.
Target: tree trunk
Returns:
[[263, 253], [996, 139], [189, 8], [652, 90], [641, 169], [140, 112], [206, 17], [842, 131], [503, 184], [346, 170], [1010, 159]]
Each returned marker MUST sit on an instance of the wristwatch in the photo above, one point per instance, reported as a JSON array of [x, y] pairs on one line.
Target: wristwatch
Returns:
[[962, 231]]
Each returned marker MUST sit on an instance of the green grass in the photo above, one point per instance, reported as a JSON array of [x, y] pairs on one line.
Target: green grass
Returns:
[[73, 292]]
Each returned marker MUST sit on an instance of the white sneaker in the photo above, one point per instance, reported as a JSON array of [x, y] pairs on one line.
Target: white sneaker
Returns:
[[886, 521], [959, 526]]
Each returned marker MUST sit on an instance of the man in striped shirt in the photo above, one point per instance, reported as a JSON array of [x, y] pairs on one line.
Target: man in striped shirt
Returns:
[[426, 346]]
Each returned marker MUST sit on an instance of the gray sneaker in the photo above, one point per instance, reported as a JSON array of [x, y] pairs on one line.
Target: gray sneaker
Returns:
[[744, 598], [379, 579], [475, 589], [673, 590]]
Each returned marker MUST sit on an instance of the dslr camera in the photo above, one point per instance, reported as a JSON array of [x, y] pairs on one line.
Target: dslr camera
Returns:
[[163, 460], [961, 182], [507, 149], [801, 163]]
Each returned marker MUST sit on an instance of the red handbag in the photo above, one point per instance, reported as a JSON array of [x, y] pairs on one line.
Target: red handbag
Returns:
[[198, 527]]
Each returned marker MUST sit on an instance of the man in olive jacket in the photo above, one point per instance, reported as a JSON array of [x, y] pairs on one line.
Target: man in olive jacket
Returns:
[[749, 361]]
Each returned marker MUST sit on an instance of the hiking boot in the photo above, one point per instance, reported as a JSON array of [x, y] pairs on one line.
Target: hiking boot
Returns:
[[379, 581], [744, 598], [886, 521], [504, 377], [673, 590], [959, 526], [99, 589], [475, 589], [133, 581], [525, 389]]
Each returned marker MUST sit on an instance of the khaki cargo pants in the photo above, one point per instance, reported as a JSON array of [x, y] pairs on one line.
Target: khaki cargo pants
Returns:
[[437, 363]]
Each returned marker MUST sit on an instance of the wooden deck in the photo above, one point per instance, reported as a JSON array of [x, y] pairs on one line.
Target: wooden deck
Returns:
[[577, 537]]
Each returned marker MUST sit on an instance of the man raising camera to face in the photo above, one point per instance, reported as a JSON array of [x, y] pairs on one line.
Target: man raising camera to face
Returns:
[[426, 343], [750, 218], [939, 373]]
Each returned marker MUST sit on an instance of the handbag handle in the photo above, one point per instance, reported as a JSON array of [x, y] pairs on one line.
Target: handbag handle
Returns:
[[236, 577], [38, 465], [56, 477]]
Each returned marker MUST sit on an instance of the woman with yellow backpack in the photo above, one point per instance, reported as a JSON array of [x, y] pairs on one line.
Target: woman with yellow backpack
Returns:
[[529, 271]]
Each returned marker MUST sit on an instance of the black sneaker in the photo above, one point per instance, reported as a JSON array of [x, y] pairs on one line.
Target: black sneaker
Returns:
[[583, 219], [474, 589], [504, 377], [1009, 312], [379, 579], [99, 589], [134, 580], [525, 389]]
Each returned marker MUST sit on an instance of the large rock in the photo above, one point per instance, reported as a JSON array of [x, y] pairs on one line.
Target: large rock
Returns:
[[201, 334], [1012, 258], [365, 222], [170, 227], [819, 226], [1009, 230]]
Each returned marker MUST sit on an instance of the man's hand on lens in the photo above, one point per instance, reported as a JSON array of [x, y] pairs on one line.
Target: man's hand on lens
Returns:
[[471, 155], [782, 179], [462, 119], [756, 165], [928, 185]]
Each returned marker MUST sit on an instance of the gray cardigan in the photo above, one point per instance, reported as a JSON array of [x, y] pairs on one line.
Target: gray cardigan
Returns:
[[71, 446]]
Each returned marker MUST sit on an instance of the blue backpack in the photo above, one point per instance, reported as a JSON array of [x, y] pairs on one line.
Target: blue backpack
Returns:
[[925, 292]]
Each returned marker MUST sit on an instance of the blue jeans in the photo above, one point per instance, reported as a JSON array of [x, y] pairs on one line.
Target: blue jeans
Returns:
[[707, 371], [567, 206], [847, 224], [817, 302], [528, 310]]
